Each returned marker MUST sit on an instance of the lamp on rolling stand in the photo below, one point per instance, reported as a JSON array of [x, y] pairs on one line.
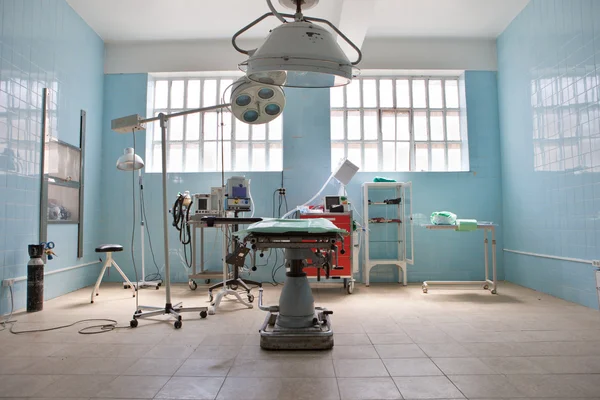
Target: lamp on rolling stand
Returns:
[[130, 161]]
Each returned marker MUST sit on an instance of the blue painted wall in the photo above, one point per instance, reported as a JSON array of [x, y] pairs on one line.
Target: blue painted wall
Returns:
[[44, 43], [439, 255], [549, 58]]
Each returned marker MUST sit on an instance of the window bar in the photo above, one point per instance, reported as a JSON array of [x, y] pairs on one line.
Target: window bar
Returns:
[[184, 133], [444, 127], [428, 114], [412, 148], [201, 134]]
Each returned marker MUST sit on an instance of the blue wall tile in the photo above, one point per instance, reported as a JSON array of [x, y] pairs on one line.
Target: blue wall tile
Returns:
[[44, 43], [548, 63], [439, 255]]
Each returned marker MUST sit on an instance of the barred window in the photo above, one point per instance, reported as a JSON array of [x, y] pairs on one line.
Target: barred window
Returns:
[[195, 142], [398, 124]]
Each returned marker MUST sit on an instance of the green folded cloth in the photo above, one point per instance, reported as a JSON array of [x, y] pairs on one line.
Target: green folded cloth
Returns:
[[466, 225], [382, 179]]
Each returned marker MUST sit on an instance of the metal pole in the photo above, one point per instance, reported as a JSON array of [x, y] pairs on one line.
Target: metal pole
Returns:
[[163, 132], [143, 280]]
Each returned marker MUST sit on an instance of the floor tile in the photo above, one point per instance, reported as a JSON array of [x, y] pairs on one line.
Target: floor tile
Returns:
[[170, 351], [427, 387], [279, 389], [545, 386], [133, 387], [512, 365], [359, 351], [282, 368], [399, 351], [224, 340], [587, 384], [25, 385], [76, 386], [411, 367], [154, 366], [218, 352], [368, 389], [445, 350], [359, 368], [483, 385], [429, 336], [351, 339], [199, 388], [463, 366], [16, 365], [204, 367], [568, 364], [102, 366], [389, 338]]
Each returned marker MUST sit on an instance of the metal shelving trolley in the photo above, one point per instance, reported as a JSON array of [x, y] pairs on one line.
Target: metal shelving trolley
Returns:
[[388, 237]]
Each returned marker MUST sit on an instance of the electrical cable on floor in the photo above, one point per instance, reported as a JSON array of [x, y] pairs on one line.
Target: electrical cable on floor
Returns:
[[88, 330]]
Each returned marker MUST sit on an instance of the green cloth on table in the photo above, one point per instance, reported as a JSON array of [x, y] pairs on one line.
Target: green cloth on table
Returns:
[[276, 225], [466, 225], [382, 179]]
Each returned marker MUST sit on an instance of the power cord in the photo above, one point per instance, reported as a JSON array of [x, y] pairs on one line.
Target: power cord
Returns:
[[157, 276], [137, 280], [12, 309]]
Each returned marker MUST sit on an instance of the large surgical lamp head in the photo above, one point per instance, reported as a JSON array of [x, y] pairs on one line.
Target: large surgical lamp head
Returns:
[[256, 103], [130, 161], [298, 53]]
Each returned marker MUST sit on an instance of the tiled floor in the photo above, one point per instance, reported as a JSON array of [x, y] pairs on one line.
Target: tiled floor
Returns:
[[392, 342]]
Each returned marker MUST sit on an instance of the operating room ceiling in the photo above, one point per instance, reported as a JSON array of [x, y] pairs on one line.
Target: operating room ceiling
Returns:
[[169, 20]]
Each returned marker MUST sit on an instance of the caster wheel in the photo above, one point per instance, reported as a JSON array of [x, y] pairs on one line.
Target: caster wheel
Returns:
[[97, 294], [485, 287], [350, 287], [193, 285], [203, 314], [250, 298], [494, 292], [92, 301], [177, 324], [424, 290], [157, 287], [126, 286], [138, 312], [207, 281], [133, 295], [233, 287], [133, 323]]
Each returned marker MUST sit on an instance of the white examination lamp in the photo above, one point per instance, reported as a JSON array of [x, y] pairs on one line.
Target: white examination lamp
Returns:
[[130, 161], [298, 53], [252, 103]]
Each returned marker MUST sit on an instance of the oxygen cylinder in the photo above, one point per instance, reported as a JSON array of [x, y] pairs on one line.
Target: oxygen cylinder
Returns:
[[35, 278]]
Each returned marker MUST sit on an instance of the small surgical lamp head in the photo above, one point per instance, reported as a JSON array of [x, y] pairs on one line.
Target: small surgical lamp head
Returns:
[[130, 161], [256, 103]]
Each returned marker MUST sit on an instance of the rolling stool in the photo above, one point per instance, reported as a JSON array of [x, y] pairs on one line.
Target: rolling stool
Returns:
[[109, 249]]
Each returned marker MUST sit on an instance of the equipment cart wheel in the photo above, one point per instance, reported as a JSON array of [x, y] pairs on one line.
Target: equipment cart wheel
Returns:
[[193, 285], [133, 323], [424, 290], [486, 287], [250, 298], [207, 281], [177, 324], [203, 314], [350, 287], [494, 291], [126, 287]]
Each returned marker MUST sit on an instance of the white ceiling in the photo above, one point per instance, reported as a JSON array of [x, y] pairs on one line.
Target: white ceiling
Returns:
[[168, 20]]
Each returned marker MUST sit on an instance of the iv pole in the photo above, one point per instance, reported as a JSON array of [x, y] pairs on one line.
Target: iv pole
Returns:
[[169, 309]]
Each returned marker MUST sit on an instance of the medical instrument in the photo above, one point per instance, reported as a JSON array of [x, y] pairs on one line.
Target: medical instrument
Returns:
[[296, 324], [345, 267], [487, 284], [202, 203], [298, 53], [130, 161], [388, 227], [343, 174], [237, 197]]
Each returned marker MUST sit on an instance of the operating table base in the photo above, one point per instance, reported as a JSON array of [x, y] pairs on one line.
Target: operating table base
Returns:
[[317, 337]]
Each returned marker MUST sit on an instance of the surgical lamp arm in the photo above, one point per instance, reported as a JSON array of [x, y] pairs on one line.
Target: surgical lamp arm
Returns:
[[308, 19], [186, 112]]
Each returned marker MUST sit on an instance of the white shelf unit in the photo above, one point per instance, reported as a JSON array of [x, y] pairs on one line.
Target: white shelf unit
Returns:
[[392, 240]]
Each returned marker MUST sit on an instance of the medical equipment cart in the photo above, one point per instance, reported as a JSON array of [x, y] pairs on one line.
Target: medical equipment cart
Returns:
[[388, 227], [203, 274], [344, 267], [487, 284]]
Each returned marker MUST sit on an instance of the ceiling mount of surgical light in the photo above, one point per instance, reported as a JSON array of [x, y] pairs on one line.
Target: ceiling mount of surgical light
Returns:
[[298, 53]]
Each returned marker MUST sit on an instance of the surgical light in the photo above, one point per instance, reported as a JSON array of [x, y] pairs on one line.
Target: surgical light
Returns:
[[130, 161], [256, 103], [298, 53]]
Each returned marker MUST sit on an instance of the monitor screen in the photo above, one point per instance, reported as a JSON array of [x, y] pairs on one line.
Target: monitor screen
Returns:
[[331, 201], [202, 204]]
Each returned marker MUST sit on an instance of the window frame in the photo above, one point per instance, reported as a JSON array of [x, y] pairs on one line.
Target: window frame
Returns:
[[154, 143], [411, 111]]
